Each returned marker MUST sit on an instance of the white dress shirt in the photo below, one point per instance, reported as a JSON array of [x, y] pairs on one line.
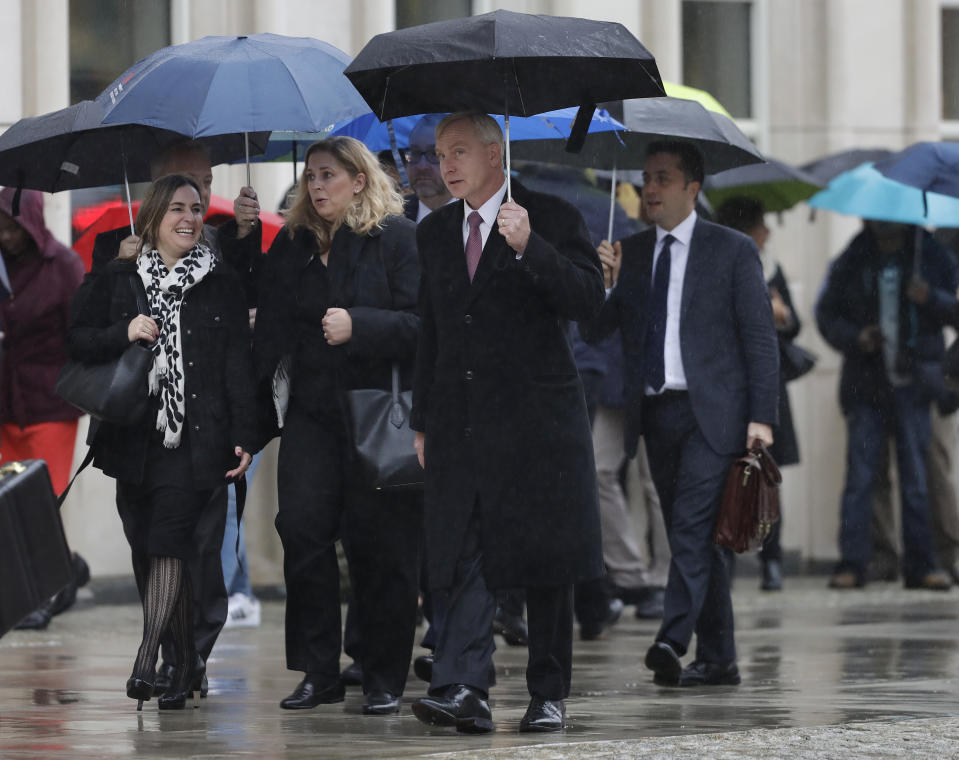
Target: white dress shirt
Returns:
[[678, 256], [488, 211]]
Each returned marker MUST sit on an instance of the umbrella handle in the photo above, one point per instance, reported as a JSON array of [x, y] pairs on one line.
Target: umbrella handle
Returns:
[[249, 182], [509, 183], [612, 204]]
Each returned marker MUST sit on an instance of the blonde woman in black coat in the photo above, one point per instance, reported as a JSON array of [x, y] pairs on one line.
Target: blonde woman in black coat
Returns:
[[337, 307], [199, 429]]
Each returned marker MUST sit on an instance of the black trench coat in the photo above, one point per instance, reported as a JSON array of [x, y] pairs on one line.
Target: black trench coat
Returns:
[[497, 393]]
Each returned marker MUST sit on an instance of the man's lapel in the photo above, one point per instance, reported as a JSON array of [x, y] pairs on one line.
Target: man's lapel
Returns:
[[697, 262]]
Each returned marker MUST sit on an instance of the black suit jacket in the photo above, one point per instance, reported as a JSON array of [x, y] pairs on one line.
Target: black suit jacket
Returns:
[[727, 338], [498, 396]]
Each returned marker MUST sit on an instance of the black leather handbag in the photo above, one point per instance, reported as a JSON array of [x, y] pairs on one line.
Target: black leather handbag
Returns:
[[382, 437], [114, 391], [795, 361]]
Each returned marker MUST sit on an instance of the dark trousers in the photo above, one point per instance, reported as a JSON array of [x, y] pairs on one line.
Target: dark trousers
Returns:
[[465, 647], [908, 419], [206, 569], [690, 478], [320, 501]]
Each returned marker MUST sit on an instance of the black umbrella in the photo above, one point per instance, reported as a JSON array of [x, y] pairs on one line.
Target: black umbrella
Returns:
[[70, 149], [827, 168], [717, 137], [503, 62]]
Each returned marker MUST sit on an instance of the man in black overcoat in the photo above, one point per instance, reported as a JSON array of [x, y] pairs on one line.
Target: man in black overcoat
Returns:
[[503, 432], [701, 383]]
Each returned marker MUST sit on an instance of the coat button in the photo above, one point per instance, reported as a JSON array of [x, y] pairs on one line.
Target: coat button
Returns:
[[469, 374], [196, 427], [189, 364], [192, 395], [468, 319], [467, 432], [189, 332], [216, 319]]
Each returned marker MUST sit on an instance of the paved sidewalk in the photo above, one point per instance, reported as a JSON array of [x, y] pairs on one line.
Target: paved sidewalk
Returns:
[[826, 674]]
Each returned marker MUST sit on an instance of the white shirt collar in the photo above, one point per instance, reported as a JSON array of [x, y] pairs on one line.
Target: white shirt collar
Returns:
[[683, 232], [489, 209]]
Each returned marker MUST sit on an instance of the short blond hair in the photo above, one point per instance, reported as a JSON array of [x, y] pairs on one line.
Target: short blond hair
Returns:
[[485, 127], [377, 200]]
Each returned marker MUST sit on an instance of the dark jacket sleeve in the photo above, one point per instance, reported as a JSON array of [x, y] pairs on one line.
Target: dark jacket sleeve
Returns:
[[837, 329], [241, 254], [757, 334], [239, 370], [610, 318], [92, 338], [426, 348], [391, 332], [565, 268]]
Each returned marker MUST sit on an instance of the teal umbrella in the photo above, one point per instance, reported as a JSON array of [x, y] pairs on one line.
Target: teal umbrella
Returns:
[[866, 193]]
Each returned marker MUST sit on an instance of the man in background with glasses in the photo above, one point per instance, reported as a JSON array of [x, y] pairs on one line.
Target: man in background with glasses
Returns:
[[423, 168]]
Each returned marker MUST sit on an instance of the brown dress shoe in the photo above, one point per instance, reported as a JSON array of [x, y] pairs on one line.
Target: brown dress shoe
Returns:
[[934, 581], [846, 580]]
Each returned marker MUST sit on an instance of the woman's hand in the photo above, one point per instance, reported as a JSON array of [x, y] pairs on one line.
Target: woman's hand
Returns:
[[142, 327], [419, 443], [337, 326], [245, 460]]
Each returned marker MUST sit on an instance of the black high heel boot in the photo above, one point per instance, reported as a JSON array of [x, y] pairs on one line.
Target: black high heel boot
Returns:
[[139, 689], [182, 687]]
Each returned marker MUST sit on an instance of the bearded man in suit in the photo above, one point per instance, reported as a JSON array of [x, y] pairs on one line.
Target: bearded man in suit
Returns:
[[503, 432]]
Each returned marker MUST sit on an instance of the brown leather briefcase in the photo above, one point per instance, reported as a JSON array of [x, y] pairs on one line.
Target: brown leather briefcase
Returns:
[[750, 503], [34, 557]]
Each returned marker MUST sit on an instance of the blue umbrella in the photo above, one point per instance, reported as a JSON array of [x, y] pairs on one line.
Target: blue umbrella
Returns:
[[552, 125], [866, 193], [930, 166], [221, 85]]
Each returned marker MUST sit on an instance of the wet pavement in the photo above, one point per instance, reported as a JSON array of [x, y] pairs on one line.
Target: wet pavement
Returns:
[[865, 674]]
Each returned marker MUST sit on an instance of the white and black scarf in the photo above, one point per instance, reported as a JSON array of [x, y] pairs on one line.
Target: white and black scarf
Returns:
[[165, 289]]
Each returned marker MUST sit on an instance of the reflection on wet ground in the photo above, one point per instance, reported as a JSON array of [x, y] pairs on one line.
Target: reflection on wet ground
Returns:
[[808, 656]]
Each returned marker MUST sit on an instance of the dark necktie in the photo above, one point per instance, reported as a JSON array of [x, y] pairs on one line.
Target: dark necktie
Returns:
[[474, 243], [656, 320]]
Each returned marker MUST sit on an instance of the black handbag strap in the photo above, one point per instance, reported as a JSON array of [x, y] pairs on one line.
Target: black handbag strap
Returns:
[[140, 295], [83, 465]]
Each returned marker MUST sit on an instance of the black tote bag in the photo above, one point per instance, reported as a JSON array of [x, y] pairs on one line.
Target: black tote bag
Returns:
[[114, 391], [382, 437]]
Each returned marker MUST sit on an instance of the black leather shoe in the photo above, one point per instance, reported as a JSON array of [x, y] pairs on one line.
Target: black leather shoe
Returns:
[[352, 675], [381, 703], [183, 685], [699, 673], [164, 678], [662, 659], [650, 605], [543, 715], [37, 620], [423, 667], [511, 627], [772, 576], [461, 707], [311, 691], [590, 631]]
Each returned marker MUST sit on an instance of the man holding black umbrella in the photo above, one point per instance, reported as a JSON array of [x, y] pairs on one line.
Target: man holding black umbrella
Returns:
[[503, 431]]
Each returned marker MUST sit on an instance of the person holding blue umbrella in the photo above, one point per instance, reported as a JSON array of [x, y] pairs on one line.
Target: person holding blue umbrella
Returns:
[[883, 308]]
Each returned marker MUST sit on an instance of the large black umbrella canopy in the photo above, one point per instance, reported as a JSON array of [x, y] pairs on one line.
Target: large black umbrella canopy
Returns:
[[70, 149], [649, 120], [502, 62]]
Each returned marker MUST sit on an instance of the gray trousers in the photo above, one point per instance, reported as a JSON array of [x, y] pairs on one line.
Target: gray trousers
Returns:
[[635, 547]]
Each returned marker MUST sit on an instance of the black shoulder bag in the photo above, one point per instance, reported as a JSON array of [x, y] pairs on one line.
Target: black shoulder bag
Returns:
[[113, 391]]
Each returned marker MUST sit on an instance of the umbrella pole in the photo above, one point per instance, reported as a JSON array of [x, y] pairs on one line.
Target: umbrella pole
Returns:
[[917, 254], [246, 145], [509, 182], [612, 204], [294, 162], [126, 183]]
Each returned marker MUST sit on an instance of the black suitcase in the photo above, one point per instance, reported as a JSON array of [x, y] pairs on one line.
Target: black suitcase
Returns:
[[34, 557]]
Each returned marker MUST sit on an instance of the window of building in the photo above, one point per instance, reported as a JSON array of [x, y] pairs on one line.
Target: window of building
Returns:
[[950, 62], [415, 12], [718, 50], [109, 36]]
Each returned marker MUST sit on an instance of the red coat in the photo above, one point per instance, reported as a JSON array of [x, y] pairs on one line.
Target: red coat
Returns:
[[35, 320]]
